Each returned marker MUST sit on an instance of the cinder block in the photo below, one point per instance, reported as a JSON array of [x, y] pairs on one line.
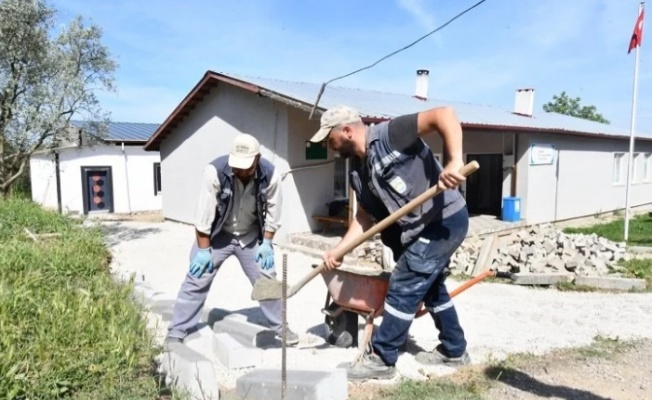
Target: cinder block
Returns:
[[248, 333], [189, 371], [234, 354], [265, 384], [541, 279], [611, 283]]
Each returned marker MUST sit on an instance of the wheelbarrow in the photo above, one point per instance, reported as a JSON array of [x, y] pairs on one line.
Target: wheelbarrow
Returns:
[[363, 292]]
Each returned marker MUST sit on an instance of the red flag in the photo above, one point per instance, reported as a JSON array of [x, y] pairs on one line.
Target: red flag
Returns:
[[637, 36]]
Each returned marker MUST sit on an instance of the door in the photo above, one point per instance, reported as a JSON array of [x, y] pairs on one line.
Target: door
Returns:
[[484, 188], [97, 189]]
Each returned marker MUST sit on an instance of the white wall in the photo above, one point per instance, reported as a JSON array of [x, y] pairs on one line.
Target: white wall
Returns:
[[581, 180], [206, 133], [132, 177]]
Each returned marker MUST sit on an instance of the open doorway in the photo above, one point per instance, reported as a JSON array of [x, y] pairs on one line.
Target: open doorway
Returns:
[[484, 188]]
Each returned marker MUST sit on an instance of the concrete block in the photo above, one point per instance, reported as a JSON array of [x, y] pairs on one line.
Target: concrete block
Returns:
[[265, 384], [611, 283], [248, 333], [190, 372], [541, 279], [234, 354]]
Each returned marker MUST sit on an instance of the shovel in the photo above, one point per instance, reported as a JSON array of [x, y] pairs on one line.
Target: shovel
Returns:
[[271, 289]]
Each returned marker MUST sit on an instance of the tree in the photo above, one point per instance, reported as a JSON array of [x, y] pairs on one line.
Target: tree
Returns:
[[563, 104], [48, 76]]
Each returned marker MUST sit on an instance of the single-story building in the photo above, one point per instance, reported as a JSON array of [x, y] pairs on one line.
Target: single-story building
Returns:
[[560, 167], [89, 174]]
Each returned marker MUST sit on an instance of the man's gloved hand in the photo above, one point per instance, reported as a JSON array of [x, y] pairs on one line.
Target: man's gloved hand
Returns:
[[266, 254], [200, 262]]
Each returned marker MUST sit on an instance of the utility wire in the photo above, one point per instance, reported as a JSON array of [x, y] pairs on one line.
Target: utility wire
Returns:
[[323, 85]]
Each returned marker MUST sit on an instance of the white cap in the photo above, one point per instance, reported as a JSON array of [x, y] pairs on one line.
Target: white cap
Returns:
[[244, 150], [333, 117]]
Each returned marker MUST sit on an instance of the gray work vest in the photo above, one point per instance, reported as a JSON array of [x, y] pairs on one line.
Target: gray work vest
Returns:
[[387, 179], [261, 180]]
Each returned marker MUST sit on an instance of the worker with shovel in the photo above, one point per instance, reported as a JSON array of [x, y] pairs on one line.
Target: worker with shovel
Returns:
[[392, 166], [237, 213]]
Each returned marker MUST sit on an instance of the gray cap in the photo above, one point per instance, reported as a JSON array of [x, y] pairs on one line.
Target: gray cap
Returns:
[[333, 117]]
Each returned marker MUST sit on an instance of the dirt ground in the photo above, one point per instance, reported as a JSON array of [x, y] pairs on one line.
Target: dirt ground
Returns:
[[608, 369]]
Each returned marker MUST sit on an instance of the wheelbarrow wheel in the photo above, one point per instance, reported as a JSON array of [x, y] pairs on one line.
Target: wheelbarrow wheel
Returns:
[[343, 329]]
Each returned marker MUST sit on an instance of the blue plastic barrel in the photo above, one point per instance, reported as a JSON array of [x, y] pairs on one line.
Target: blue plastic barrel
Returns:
[[511, 209]]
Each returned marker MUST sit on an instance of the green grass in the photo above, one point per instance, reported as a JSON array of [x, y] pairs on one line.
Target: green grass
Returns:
[[433, 389], [640, 230], [67, 328]]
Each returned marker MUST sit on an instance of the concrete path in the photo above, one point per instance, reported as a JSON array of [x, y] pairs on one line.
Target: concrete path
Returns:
[[498, 319]]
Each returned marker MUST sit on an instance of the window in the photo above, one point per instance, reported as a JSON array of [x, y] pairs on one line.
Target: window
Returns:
[[618, 168], [636, 170], [157, 178], [646, 167]]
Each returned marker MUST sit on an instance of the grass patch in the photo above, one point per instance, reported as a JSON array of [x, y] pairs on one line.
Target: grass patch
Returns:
[[67, 328], [640, 230], [439, 388]]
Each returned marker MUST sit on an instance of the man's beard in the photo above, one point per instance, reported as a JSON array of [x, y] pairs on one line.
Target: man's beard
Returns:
[[347, 150]]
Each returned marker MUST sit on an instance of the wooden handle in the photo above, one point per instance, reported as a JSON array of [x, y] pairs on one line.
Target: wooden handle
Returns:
[[466, 170]]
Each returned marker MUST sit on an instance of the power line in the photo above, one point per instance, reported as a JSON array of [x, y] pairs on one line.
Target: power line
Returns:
[[323, 85]]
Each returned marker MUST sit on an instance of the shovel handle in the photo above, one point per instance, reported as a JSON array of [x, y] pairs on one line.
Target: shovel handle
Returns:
[[466, 170]]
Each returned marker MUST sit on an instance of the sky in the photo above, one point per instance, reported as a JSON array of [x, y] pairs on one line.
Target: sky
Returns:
[[579, 46]]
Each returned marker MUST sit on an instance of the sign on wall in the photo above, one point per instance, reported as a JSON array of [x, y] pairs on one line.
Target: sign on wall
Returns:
[[542, 154]]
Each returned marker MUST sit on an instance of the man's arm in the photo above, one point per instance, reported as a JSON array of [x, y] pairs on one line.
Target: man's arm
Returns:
[[359, 225], [274, 203], [444, 121], [206, 204]]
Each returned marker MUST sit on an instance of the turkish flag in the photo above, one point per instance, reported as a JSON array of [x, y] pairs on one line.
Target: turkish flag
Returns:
[[637, 36]]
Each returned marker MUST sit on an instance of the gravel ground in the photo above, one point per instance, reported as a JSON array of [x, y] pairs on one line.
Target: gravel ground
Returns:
[[498, 318]]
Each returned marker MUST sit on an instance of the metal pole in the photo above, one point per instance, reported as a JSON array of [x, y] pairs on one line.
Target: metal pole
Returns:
[[631, 137], [284, 327]]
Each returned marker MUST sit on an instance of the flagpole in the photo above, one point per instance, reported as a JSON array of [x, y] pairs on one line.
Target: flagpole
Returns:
[[631, 136]]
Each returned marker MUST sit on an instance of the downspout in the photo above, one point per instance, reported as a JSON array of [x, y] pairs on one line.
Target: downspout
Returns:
[[126, 178], [57, 174]]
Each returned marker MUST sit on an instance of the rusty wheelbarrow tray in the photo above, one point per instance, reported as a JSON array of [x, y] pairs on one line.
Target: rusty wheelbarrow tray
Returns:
[[362, 291]]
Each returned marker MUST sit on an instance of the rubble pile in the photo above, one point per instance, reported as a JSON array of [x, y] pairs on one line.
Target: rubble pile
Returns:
[[543, 250]]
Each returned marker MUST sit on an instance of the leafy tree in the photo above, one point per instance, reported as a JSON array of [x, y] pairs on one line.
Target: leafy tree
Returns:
[[48, 75], [563, 104]]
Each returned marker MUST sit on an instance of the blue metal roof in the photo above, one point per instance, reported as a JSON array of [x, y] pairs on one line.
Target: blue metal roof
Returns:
[[383, 105], [124, 131]]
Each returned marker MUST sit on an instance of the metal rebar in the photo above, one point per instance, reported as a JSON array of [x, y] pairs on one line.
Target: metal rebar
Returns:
[[284, 328]]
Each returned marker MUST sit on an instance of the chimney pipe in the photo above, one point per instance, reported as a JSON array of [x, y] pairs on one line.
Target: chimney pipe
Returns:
[[421, 90], [524, 102]]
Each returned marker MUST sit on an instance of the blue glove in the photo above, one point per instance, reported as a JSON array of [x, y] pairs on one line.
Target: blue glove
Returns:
[[199, 263], [266, 254]]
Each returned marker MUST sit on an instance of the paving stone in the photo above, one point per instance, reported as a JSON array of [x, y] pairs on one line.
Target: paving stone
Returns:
[[265, 384], [189, 371], [233, 354], [611, 283], [541, 279], [248, 333]]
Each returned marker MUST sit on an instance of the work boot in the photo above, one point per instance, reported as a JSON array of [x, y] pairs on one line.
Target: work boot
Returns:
[[170, 342], [437, 357], [291, 338], [371, 366]]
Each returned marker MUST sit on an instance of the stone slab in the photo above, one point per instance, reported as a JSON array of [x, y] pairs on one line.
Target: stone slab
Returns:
[[190, 372], [265, 384], [611, 283], [248, 333], [233, 354], [541, 279]]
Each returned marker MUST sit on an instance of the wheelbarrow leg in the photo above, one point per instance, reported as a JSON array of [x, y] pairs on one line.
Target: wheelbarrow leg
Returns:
[[368, 330]]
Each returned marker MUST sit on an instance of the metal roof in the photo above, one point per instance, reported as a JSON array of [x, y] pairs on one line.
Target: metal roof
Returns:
[[124, 131], [382, 105], [376, 105]]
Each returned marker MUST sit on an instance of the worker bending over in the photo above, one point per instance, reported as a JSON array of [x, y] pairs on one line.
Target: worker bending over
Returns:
[[392, 166]]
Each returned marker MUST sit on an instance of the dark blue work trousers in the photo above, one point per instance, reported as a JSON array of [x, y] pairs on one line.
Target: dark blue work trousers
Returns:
[[418, 277]]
